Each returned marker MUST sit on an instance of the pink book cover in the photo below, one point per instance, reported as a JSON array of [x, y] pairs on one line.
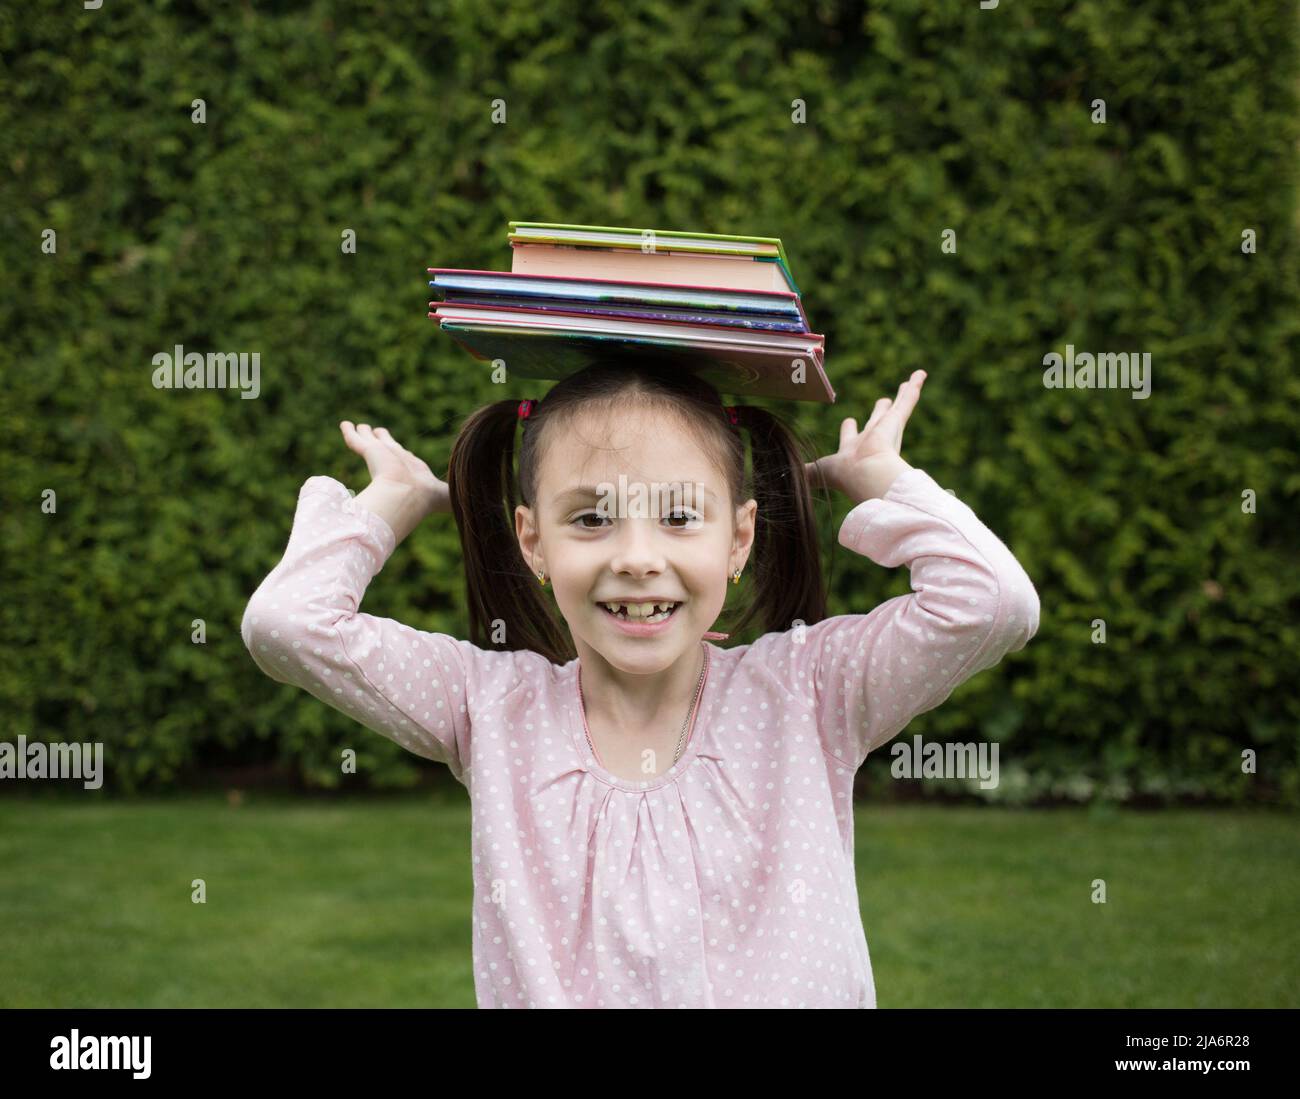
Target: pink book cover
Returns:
[[723, 272]]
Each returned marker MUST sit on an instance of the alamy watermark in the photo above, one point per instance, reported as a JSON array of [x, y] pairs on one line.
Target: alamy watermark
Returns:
[[191, 370], [95, 1051], [1111, 370], [952, 760], [41, 760], [655, 500]]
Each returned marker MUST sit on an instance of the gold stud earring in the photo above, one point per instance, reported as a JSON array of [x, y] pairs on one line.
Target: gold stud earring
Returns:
[[541, 576], [735, 577]]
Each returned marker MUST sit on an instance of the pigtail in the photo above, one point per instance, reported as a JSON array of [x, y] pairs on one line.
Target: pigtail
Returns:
[[500, 589], [786, 556]]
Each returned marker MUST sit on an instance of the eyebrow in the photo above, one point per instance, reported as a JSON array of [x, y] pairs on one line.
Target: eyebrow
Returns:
[[587, 492]]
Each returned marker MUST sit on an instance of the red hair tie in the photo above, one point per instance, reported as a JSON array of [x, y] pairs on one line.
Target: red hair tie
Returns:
[[526, 408], [730, 410]]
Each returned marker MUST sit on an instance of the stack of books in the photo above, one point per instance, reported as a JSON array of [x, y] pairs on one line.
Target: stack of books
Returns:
[[726, 307]]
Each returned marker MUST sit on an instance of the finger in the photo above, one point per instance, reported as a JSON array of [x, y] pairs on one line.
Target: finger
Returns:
[[848, 429], [350, 436], [882, 406], [909, 384], [913, 388], [381, 433], [908, 394]]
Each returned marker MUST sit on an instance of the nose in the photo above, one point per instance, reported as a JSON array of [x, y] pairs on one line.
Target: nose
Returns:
[[638, 549]]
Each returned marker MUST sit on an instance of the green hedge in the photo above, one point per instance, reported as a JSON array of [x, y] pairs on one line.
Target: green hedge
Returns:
[[922, 115]]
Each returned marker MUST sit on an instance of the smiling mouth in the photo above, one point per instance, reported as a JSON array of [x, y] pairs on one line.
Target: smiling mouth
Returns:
[[623, 616]]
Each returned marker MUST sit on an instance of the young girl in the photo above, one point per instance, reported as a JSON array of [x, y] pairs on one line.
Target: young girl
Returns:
[[656, 821]]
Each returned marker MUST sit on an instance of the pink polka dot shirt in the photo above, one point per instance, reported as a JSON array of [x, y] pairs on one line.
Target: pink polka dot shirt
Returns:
[[726, 881]]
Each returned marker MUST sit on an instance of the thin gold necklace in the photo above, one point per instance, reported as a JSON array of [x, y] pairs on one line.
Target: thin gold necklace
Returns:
[[681, 739]]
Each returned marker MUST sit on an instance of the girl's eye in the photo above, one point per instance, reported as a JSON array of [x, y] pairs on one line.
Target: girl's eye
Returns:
[[691, 519]]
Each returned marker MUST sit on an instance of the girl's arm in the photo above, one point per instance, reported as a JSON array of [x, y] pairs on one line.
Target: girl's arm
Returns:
[[972, 603], [303, 624]]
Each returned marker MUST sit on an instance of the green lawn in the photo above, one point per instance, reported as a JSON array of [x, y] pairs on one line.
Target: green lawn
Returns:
[[366, 903]]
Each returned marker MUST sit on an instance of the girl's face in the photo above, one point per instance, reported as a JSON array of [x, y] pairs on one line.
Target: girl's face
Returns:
[[631, 509]]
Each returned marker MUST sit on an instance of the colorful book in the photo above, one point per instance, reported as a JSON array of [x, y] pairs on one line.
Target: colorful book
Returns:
[[743, 371], [723, 306], [799, 343], [549, 248], [766, 322], [617, 290]]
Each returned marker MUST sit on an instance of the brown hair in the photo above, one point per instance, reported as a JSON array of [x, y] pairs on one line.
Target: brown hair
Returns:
[[785, 559]]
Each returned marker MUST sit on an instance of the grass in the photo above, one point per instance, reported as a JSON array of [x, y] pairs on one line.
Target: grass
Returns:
[[366, 903]]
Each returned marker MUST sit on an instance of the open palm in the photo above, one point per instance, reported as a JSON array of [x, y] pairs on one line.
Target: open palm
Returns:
[[881, 438], [387, 460]]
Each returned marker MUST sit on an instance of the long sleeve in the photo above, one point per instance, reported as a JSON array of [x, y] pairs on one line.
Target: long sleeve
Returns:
[[971, 604], [302, 626]]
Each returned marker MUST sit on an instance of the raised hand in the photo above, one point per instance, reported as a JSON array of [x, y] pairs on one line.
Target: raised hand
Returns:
[[389, 461], [868, 460]]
